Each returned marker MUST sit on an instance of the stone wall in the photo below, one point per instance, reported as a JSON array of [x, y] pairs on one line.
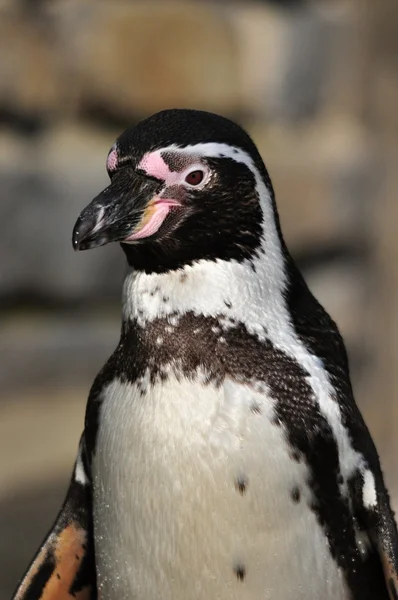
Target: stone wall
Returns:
[[316, 85], [74, 74]]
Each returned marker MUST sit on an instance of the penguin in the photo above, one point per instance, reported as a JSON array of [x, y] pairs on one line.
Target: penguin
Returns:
[[223, 454]]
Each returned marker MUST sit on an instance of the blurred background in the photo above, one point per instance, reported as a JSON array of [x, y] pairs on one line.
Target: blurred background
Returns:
[[314, 82]]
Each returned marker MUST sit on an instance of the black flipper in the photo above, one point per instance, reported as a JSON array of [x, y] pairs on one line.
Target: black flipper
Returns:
[[64, 567], [377, 519]]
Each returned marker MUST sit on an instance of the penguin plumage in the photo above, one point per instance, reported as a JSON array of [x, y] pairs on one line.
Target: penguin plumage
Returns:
[[223, 454]]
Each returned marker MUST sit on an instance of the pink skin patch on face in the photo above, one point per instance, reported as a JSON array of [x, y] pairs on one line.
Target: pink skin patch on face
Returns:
[[156, 213], [112, 160], [154, 166]]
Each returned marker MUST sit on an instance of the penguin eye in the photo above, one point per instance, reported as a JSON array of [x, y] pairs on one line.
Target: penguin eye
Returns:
[[194, 177]]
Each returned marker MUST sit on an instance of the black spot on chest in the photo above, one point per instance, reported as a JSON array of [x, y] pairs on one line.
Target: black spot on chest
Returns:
[[240, 572], [255, 408], [296, 495]]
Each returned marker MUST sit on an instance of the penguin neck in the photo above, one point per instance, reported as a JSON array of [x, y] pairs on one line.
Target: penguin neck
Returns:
[[251, 292]]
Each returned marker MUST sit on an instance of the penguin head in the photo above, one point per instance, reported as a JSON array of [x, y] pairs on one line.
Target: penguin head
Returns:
[[185, 185]]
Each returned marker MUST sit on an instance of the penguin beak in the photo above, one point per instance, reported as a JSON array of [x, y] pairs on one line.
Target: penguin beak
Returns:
[[116, 212]]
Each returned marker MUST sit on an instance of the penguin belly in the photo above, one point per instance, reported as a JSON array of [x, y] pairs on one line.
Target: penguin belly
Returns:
[[197, 494]]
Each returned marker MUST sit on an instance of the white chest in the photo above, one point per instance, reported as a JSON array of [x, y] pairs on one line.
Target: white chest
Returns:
[[196, 496]]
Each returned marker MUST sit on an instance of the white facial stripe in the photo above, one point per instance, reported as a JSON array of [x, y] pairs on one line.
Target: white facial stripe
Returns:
[[213, 150]]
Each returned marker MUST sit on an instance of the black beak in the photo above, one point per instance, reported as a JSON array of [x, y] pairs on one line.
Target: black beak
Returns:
[[115, 212]]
